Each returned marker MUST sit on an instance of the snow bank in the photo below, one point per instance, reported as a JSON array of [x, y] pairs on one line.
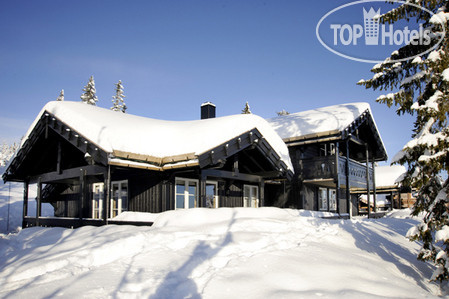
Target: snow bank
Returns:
[[218, 253], [112, 131]]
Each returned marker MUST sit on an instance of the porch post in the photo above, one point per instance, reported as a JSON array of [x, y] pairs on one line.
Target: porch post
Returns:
[[202, 192], [25, 203], [106, 194], [368, 191], [262, 193], [374, 186], [82, 194], [39, 201], [337, 173], [59, 158], [348, 189]]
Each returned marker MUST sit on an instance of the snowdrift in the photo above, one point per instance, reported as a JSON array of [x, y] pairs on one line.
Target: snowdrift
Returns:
[[219, 253]]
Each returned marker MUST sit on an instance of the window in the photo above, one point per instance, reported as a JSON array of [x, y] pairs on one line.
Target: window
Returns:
[[97, 201], [327, 149], [332, 199], [211, 194], [322, 199], [186, 193], [250, 196], [119, 198]]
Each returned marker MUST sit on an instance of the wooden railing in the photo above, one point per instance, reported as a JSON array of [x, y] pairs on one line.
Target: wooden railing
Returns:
[[322, 168]]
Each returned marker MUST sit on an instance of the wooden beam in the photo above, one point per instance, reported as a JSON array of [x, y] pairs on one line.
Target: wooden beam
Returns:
[[83, 184], [68, 174], [59, 158], [348, 190], [262, 193], [39, 201], [25, 203], [367, 182], [202, 192], [356, 140], [374, 186], [106, 195], [229, 175], [337, 179]]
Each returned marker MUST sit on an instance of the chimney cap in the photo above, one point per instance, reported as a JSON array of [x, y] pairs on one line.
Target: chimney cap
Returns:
[[208, 103]]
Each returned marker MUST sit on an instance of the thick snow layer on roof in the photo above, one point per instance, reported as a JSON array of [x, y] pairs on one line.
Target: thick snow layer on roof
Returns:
[[388, 175], [114, 131], [319, 120]]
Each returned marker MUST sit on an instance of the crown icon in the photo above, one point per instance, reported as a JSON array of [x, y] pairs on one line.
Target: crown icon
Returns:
[[371, 24]]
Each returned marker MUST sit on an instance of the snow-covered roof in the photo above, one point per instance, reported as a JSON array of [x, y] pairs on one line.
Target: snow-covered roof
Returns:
[[326, 119], [387, 176], [119, 132]]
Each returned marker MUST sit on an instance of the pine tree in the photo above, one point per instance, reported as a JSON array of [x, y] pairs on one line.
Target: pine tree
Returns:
[[61, 96], [7, 152], [420, 86], [89, 96], [117, 100], [282, 112], [246, 110]]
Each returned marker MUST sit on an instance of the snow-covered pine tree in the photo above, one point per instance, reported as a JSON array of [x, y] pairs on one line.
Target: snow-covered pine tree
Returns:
[[6, 152], [246, 110], [61, 96], [89, 96], [118, 104], [420, 87], [282, 112]]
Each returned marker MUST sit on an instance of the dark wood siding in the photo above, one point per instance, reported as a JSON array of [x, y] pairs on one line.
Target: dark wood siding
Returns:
[[231, 194], [150, 193], [68, 205]]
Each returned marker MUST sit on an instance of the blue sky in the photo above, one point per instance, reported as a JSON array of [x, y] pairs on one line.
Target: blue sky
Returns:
[[173, 55]]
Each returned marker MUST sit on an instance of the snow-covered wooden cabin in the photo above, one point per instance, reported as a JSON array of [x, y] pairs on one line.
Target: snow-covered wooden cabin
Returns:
[[333, 150], [92, 163]]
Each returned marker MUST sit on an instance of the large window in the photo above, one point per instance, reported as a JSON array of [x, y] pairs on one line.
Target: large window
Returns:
[[119, 199], [322, 199], [212, 194], [186, 193], [97, 201], [250, 196]]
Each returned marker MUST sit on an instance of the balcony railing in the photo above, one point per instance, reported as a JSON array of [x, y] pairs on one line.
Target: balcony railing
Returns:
[[323, 168]]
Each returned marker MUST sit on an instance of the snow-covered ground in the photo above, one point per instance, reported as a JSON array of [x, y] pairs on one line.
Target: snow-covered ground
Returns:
[[219, 253]]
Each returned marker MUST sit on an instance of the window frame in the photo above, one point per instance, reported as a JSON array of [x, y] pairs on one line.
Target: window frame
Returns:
[[120, 208], [100, 200], [323, 203], [186, 193], [216, 203], [332, 199], [248, 198]]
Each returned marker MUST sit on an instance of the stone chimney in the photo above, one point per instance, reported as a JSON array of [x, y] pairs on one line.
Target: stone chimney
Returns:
[[207, 110]]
